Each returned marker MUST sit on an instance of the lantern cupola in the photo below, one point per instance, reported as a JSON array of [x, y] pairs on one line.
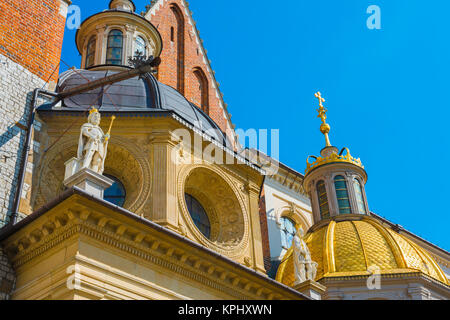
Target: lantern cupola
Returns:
[[107, 39], [335, 180]]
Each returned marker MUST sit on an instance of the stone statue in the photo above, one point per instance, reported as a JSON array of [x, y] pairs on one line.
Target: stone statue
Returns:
[[86, 170], [305, 268], [93, 144]]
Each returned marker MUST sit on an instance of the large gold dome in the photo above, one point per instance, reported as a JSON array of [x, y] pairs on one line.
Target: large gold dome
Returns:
[[350, 246]]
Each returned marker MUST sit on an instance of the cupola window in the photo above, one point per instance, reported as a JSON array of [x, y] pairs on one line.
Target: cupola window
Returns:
[[287, 232], [140, 46], [359, 197], [116, 193], [198, 215], [115, 48], [342, 195], [323, 200], [90, 52]]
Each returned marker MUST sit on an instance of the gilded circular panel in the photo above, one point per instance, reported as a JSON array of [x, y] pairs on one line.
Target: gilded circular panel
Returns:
[[223, 204]]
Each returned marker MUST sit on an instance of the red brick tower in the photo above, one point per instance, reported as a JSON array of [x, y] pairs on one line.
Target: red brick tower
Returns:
[[31, 34], [185, 65]]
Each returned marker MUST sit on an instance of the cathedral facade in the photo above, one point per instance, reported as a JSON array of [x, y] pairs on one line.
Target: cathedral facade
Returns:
[[124, 179]]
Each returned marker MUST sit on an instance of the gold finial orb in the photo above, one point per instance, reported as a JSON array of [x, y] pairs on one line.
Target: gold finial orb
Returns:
[[325, 128]]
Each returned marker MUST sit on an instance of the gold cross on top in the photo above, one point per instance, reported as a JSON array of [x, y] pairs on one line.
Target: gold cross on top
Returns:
[[318, 95], [322, 110], [325, 127]]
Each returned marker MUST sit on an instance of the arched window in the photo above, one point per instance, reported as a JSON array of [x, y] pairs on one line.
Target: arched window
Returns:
[[140, 46], [203, 87], [342, 195], [359, 197], [198, 215], [287, 232], [323, 200], [115, 48], [179, 33], [90, 52], [116, 193]]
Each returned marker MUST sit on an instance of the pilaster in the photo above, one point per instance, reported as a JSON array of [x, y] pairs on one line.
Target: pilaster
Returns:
[[164, 211], [258, 259]]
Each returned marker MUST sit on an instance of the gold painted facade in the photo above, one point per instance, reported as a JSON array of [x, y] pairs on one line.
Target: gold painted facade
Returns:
[[140, 155]]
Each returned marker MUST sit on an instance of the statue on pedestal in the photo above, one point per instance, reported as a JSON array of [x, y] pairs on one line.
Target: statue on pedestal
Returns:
[[93, 144], [86, 170], [305, 268]]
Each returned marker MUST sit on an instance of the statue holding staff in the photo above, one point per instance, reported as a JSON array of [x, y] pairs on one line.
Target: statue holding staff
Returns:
[[93, 143]]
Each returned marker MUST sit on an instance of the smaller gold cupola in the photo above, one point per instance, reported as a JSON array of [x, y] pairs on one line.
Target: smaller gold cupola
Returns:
[[335, 180]]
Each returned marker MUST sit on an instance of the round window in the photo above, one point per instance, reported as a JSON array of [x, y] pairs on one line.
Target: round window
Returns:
[[198, 215], [116, 193]]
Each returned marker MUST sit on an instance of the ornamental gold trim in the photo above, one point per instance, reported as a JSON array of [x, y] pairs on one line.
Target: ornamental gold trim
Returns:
[[332, 158]]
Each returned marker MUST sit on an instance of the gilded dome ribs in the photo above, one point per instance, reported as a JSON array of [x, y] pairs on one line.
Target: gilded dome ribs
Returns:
[[349, 247], [398, 254], [362, 246], [329, 267]]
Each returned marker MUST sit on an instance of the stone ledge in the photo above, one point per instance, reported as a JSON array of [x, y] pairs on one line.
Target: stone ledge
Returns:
[[94, 222]]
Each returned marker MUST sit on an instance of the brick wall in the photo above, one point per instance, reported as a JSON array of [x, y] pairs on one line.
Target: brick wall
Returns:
[[163, 16], [31, 34], [7, 277]]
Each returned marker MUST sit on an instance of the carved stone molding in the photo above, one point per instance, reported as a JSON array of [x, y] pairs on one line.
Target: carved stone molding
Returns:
[[224, 204], [125, 161], [76, 219]]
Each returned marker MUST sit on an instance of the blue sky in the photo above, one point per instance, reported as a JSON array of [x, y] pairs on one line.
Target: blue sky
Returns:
[[385, 89]]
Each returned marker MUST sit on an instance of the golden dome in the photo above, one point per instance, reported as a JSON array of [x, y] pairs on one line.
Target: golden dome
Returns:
[[349, 247]]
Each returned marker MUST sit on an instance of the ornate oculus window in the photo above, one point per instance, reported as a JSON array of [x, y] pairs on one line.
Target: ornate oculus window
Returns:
[[116, 193], [115, 48], [198, 215]]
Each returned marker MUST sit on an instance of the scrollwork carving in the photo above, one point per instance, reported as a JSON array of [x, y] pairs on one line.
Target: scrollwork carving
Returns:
[[224, 205], [126, 162]]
